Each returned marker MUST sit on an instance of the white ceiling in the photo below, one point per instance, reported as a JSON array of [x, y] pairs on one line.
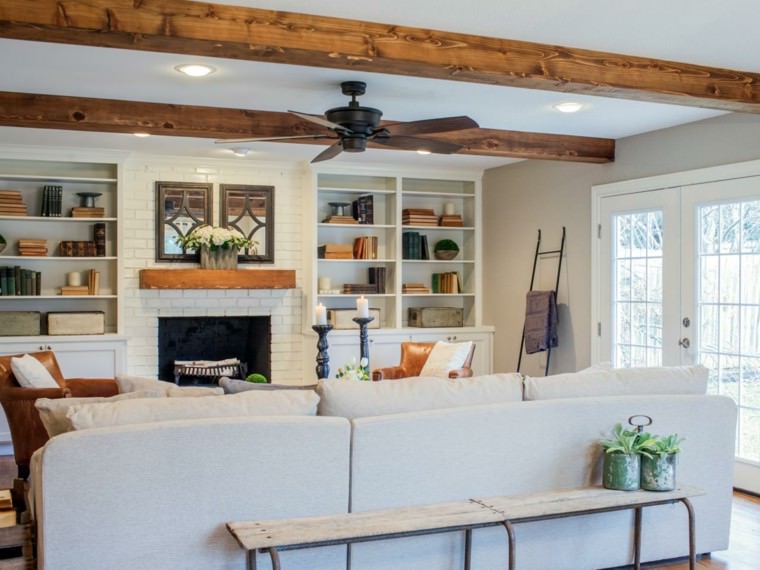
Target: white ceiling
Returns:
[[694, 31]]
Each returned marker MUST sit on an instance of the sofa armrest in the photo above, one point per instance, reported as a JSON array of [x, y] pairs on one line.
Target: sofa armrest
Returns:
[[17, 394], [88, 387], [391, 373], [460, 373]]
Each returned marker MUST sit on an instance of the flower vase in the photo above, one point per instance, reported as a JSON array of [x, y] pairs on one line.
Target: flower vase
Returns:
[[219, 258]]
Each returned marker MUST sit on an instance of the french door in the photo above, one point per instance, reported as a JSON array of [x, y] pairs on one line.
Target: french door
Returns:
[[678, 278]]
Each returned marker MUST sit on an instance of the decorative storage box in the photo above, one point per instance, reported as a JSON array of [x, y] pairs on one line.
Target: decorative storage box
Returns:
[[429, 317], [20, 323], [90, 322], [342, 318]]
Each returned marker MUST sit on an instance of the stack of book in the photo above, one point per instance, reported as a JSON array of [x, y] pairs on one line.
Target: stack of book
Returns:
[[451, 220], [12, 203], [377, 278], [32, 247], [360, 288], [52, 199], [414, 246], [414, 288], [93, 282], [73, 290], [17, 281], [365, 247], [448, 282], [82, 212], [77, 249], [335, 251], [363, 209], [338, 219], [419, 217]]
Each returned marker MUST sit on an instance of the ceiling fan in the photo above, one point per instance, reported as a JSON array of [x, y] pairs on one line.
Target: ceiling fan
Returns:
[[353, 126]]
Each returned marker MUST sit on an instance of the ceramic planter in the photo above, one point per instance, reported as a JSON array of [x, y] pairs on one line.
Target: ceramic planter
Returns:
[[218, 258], [658, 473], [621, 471]]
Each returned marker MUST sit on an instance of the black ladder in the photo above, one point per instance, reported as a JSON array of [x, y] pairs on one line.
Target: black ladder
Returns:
[[539, 253]]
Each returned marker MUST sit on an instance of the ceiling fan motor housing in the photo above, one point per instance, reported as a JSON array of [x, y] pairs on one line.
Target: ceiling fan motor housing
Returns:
[[360, 123]]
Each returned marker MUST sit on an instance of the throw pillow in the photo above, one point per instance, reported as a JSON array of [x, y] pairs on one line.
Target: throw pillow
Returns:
[[233, 386], [619, 382], [446, 356], [277, 403], [355, 399], [53, 410], [31, 373], [170, 390]]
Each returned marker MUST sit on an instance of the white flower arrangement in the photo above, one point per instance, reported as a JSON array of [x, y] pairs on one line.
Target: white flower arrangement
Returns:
[[353, 372], [215, 238]]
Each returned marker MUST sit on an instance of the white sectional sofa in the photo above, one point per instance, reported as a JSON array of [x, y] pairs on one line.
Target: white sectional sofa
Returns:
[[157, 495]]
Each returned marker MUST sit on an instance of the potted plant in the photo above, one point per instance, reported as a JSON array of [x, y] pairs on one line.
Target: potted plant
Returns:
[[658, 465], [218, 246], [353, 372], [446, 249], [622, 458]]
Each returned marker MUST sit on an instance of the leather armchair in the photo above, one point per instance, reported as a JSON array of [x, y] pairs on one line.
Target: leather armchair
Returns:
[[27, 432], [413, 358]]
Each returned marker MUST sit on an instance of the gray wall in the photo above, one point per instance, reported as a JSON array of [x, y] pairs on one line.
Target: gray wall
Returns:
[[521, 198]]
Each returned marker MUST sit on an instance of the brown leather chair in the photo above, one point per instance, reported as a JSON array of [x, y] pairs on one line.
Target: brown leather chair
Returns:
[[413, 358], [27, 432]]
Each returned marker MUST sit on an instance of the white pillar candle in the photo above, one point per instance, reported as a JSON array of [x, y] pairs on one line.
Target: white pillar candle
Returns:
[[320, 314], [362, 307], [324, 284], [74, 279], [448, 209]]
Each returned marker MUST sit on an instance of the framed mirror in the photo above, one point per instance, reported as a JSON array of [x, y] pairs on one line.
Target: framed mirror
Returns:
[[180, 207], [250, 210]]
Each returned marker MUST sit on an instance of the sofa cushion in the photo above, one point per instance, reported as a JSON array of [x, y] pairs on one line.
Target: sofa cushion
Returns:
[[445, 356], [53, 410], [275, 403], [353, 399], [233, 386], [31, 373], [619, 382], [133, 383]]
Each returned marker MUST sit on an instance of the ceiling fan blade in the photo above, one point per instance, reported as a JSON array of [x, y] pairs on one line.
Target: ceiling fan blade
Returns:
[[413, 143], [320, 120], [442, 125], [263, 139], [329, 152]]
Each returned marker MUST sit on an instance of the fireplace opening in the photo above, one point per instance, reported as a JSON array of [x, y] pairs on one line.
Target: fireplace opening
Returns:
[[213, 339]]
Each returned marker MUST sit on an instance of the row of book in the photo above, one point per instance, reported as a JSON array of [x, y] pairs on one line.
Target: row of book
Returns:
[[335, 251], [12, 203], [365, 247], [414, 246], [376, 276], [28, 247], [71, 248], [360, 288], [88, 212], [363, 209], [448, 282], [414, 288], [17, 281], [52, 201]]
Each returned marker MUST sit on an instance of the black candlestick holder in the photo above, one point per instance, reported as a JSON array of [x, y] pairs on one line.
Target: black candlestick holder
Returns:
[[363, 338], [323, 358]]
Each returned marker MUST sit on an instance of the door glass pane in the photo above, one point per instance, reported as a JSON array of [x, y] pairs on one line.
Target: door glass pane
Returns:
[[637, 294], [729, 310]]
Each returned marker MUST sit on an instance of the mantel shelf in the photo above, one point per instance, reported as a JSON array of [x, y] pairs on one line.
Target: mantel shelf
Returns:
[[217, 279]]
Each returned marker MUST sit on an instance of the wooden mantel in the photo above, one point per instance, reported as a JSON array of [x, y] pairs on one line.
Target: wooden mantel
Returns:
[[217, 279]]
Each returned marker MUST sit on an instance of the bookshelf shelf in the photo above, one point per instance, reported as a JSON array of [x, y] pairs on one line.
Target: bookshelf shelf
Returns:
[[56, 219], [45, 258], [56, 297]]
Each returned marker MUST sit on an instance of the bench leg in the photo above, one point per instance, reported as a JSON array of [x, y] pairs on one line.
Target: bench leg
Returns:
[[467, 549], [251, 562], [511, 541], [275, 557], [692, 535], [637, 538]]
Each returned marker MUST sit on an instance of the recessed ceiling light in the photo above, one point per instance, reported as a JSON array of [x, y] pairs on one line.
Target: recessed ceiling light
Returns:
[[240, 151], [141, 135], [423, 151], [195, 69], [569, 107]]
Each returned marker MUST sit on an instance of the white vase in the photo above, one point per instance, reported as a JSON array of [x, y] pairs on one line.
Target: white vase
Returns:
[[219, 258]]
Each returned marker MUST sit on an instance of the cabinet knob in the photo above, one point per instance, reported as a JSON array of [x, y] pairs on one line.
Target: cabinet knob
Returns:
[[41, 347], [48, 347]]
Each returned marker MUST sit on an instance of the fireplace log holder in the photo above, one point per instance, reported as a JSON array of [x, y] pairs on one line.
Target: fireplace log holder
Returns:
[[239, 370]]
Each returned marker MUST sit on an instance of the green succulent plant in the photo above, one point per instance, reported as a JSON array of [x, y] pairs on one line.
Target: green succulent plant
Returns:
[[446, 245], [629, 442], [256, 378]]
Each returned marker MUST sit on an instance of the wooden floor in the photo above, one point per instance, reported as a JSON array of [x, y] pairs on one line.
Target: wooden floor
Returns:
[[743, 552]]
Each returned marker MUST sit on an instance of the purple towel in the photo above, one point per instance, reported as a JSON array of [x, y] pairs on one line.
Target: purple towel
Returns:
[[540, 321]]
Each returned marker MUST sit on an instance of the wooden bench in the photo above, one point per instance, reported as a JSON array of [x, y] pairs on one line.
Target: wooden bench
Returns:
[[311, 532]]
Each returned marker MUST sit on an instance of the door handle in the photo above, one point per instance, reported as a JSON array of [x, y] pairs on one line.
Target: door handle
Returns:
[[685, 342]]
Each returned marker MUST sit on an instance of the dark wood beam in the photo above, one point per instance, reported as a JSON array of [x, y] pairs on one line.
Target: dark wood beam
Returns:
[[113, 116], [182, 26]]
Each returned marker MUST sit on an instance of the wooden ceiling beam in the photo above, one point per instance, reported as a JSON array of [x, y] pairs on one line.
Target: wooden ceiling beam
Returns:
[[114, 116], [200, 28]]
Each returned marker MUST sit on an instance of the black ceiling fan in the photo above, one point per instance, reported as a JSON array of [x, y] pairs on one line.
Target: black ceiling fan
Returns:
[[353, 126]]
